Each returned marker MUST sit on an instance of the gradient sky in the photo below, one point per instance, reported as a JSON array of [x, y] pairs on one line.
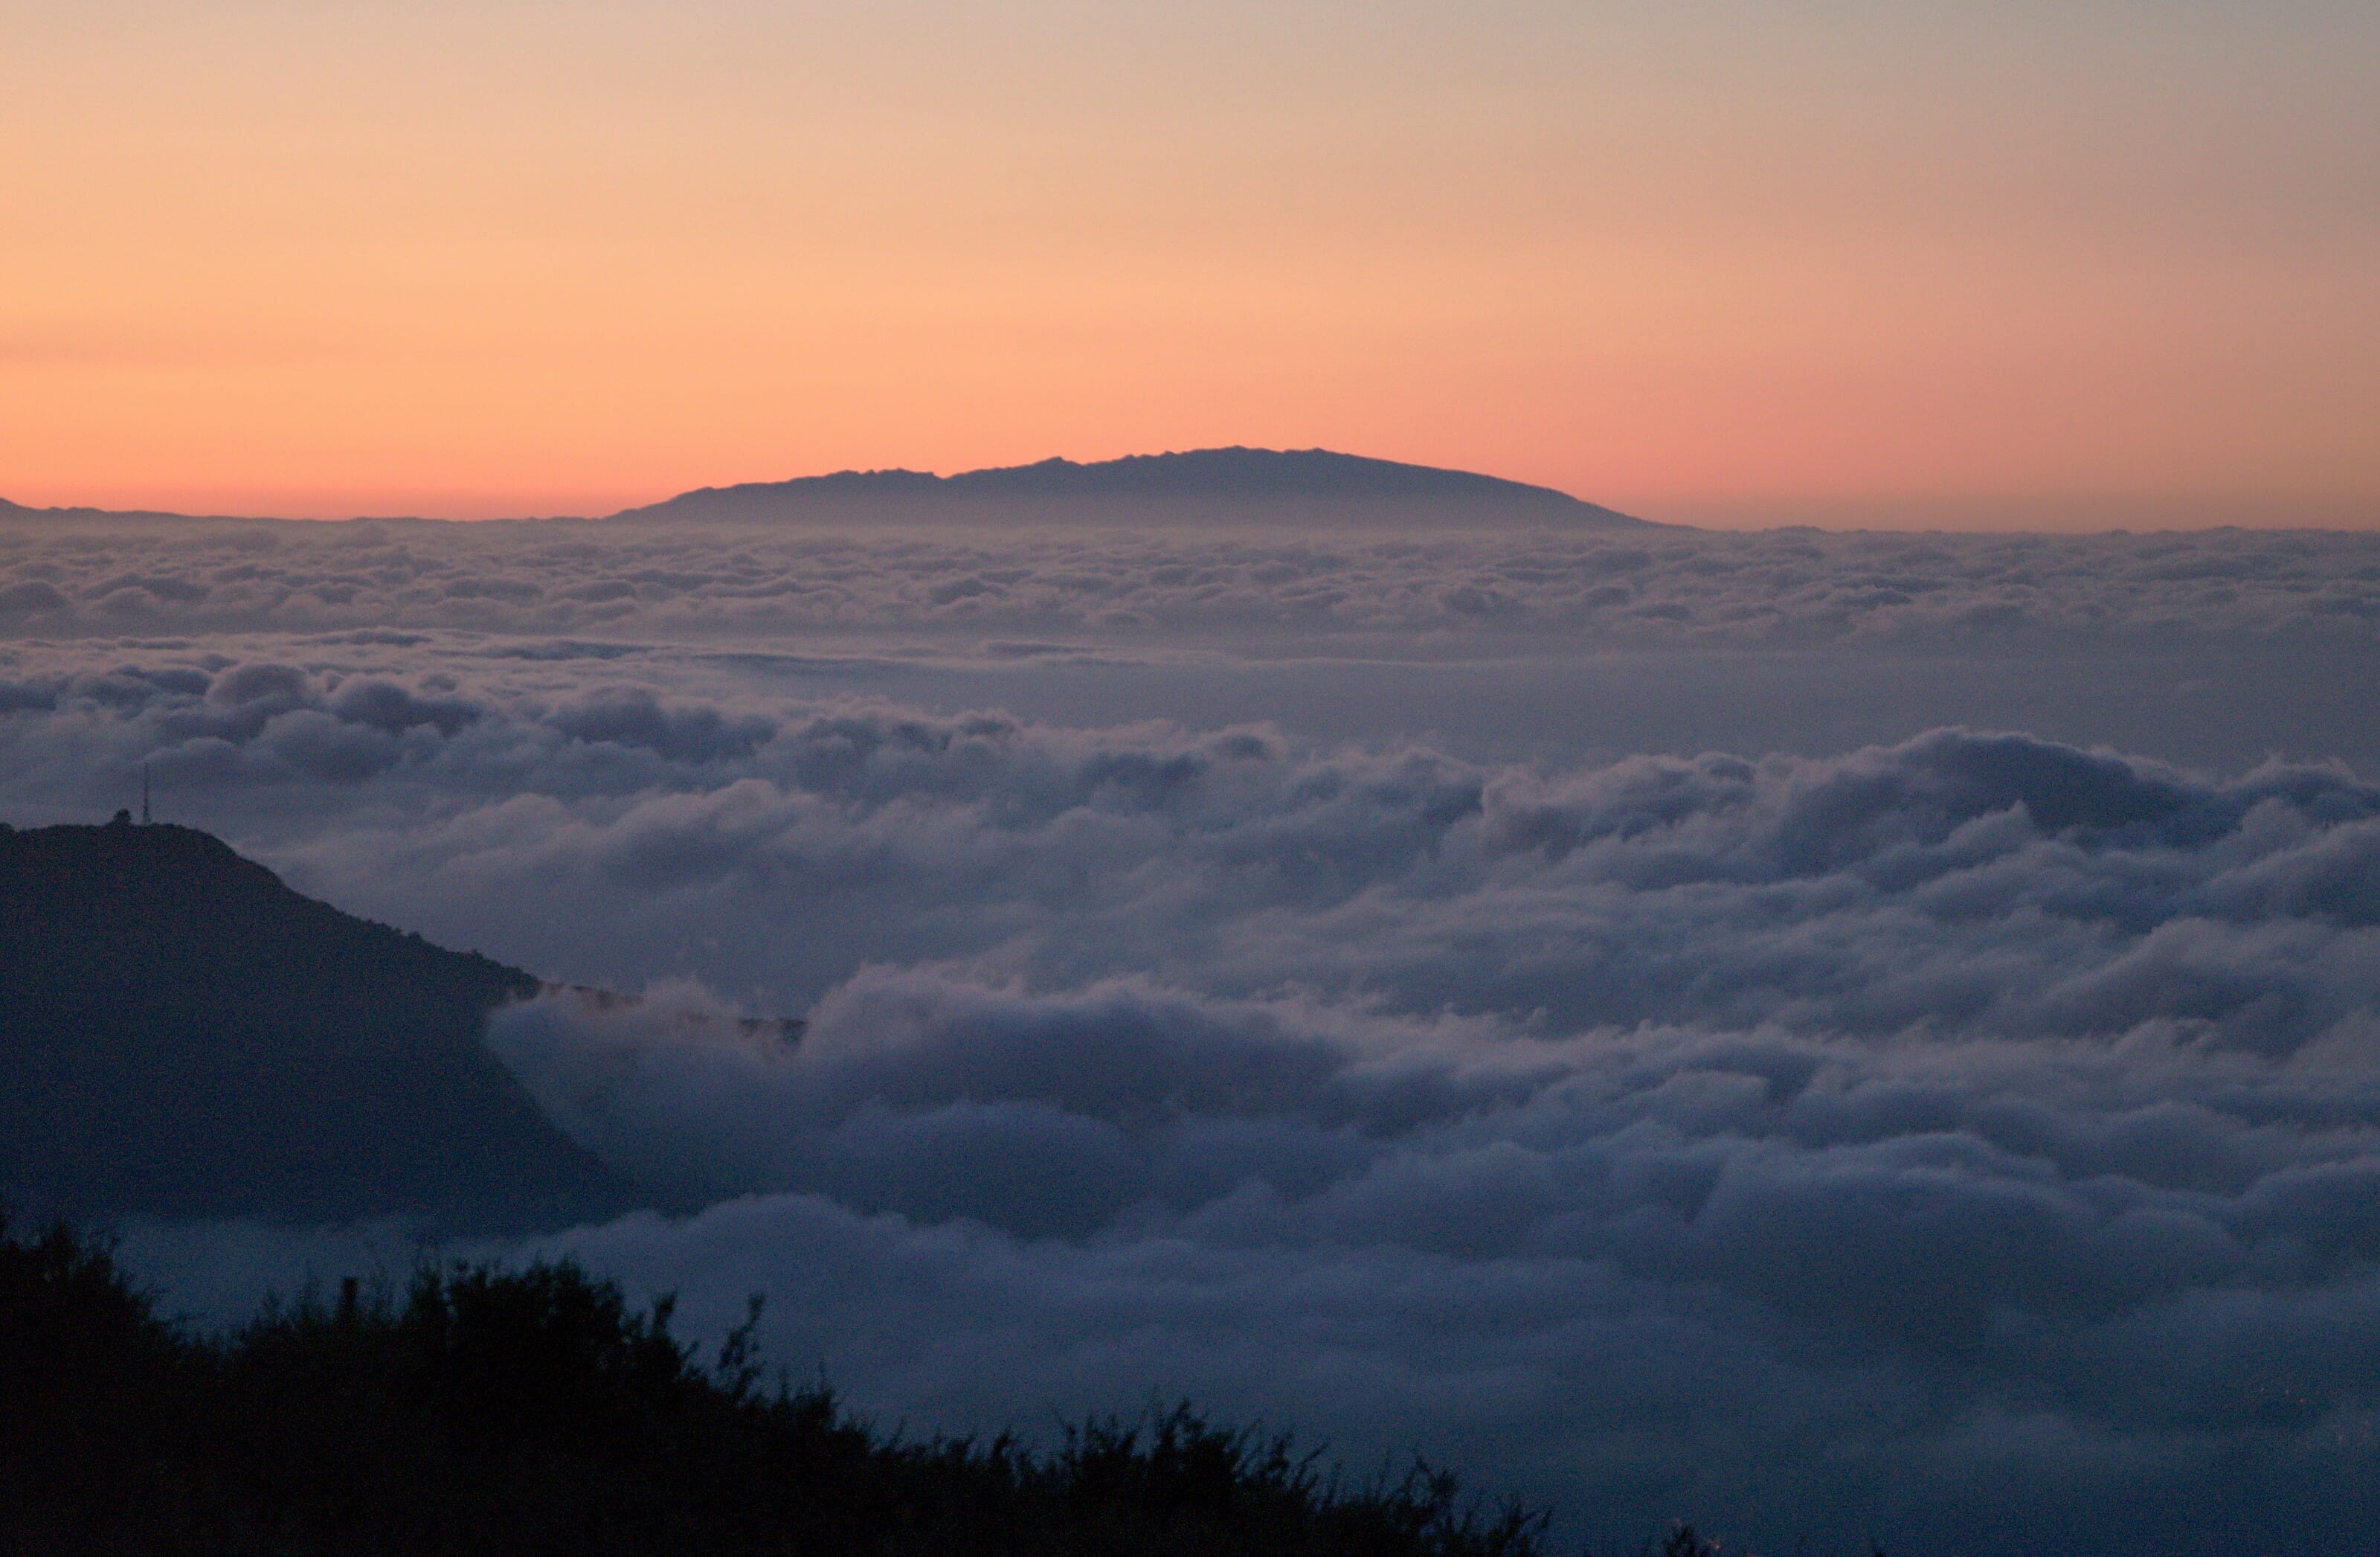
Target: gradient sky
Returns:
[[1968, 264]]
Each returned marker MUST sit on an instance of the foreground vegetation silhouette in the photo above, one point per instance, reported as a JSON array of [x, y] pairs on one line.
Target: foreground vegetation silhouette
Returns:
[[482, 1410]]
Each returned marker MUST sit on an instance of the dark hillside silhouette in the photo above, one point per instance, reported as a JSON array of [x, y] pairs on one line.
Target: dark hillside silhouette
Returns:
[[181, 1035]]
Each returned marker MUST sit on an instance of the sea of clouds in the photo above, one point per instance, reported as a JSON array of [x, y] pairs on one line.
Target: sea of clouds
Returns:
[[65, 576], [1824, 1035]]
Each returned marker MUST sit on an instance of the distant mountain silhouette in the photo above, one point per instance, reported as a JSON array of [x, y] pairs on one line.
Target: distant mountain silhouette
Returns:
[[1215, 485], [22, 511], [1209, 476], [181, 1035]]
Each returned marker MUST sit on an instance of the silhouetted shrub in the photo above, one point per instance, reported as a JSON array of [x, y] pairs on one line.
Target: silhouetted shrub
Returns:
[[534, 1411], [94, 1393]]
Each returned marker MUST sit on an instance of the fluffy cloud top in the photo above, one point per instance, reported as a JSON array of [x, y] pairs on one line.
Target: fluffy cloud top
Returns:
[[1968, 1138]]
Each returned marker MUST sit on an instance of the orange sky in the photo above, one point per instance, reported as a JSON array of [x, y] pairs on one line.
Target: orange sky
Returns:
[[1852, 264]]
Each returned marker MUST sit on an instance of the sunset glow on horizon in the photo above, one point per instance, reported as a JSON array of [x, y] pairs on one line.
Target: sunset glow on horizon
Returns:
[[1857, 265]]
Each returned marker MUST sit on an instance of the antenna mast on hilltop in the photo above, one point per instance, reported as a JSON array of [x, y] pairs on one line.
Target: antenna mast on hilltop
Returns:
[[145, 794]]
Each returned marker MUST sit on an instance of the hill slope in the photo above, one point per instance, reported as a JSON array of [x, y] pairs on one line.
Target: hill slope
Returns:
[[181, 1035], [1218, 476]]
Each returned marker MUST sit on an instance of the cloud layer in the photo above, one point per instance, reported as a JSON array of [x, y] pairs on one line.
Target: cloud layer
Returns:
[[1979, 1297], [1970, 1138], [1662, 586]]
